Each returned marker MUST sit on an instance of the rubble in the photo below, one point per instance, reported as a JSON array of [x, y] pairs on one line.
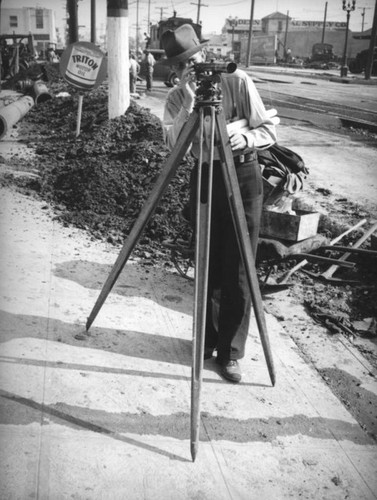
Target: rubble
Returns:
[[99, 180]]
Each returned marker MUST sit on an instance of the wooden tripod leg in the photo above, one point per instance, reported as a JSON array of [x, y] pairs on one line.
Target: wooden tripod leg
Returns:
[[202, 246], [242, 233], [168, 172]]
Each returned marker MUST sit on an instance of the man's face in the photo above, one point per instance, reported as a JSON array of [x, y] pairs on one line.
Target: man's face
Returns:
[[180, 67]]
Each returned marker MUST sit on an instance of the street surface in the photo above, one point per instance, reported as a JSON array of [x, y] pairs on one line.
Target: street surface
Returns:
[[309, 108], [354, 98]]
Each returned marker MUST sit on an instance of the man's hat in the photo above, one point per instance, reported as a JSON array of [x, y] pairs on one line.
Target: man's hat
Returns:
[[181, 43]]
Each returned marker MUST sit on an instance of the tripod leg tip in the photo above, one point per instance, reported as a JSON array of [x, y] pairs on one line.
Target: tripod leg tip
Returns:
[[194, 451]]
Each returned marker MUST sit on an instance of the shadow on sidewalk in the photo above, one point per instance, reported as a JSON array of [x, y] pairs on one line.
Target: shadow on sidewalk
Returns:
[[134, 281]]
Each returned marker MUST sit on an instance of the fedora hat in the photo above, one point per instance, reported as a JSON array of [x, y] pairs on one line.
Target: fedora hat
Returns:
[[181, 43]]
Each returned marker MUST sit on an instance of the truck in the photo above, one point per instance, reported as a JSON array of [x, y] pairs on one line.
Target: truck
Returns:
[[172, 23], [161, 70], [17, 53], [322, 56]]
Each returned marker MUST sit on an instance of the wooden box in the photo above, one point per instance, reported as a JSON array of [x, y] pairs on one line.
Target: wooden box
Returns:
[[289, 227]]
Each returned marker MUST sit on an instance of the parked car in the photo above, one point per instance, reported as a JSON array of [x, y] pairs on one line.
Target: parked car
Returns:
[[359, 64], [162, 71], [322, 57]]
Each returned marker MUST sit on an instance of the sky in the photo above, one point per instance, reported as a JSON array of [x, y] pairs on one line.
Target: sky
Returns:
[[212, 12]]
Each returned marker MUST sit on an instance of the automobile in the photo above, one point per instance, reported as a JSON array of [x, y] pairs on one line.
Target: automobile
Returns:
[[162, 71], [359, 63]]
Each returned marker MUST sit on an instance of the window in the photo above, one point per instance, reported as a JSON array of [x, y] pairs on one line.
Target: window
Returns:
[[13, 21], [280, 26], [39, 18]]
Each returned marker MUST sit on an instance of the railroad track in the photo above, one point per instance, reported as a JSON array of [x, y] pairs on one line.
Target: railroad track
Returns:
[[348, 115]]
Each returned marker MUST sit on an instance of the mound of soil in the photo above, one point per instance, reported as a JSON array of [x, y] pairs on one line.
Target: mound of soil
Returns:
[[100, 180]]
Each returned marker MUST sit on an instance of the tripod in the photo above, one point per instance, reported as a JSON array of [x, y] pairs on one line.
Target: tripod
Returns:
[[209, 119]]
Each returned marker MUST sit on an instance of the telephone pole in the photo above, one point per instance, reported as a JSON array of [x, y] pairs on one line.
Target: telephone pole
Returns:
[[118, 57], [93, 36], [199, 4], [73, 25], [324, 24], [372, 44], [248, 55], [161, 9], [286, 33], [363, 16]]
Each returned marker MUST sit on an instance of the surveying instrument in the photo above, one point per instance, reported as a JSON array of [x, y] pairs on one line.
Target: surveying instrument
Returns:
[[207, 118]]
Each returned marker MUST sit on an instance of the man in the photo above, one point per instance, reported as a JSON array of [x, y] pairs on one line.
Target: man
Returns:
[[134, 71], [149, 63], [227, 277]]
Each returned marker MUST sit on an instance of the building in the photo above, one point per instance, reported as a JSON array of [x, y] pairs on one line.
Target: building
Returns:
[[282, 32], [36, 21]]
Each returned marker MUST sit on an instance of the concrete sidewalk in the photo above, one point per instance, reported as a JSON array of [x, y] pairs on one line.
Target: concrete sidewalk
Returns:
[[107, 415]]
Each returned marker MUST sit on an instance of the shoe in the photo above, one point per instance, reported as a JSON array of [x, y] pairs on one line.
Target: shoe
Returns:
[[231, 370]]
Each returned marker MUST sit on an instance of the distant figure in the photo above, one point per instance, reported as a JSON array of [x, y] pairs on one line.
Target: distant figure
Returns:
[[51, 56], [134, 71], [147, 40], [149, 61], [288, 55]]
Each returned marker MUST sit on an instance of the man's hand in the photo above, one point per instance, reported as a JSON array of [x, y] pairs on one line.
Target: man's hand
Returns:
[[237, 141], [188, 85]]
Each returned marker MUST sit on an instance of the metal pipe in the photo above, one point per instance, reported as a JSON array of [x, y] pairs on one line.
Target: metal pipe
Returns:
[[12, 113], [40, 92]]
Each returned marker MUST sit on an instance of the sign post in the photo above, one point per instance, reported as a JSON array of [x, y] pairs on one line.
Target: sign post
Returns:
[[84, 67]]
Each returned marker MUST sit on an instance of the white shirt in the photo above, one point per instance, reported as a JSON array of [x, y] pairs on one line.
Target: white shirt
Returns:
[[240, 100]]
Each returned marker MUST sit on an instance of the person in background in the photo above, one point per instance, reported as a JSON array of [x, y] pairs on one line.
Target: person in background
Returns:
[[147, 40], [149, 63], [134, 71], [51, 55], [227, 280]]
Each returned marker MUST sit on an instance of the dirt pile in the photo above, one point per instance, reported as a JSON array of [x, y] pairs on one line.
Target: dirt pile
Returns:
[[100, 180]]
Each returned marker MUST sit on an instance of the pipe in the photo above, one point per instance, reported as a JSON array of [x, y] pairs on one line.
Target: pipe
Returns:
[[40, 92], [12, 113]]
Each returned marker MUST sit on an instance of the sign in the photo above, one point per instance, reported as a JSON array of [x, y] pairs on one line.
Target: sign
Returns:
[[332, 25], [263, 49], [83, 65]]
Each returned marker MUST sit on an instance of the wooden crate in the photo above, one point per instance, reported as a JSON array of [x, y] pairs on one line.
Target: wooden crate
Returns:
[[288, 226]]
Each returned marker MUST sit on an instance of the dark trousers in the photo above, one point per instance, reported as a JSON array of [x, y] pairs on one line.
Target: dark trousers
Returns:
[[227, 327], [149, 77], [133, 80]]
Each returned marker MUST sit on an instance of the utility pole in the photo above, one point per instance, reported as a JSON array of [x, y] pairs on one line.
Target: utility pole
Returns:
[[248, 55], [161, 9], [372, 44], [199, 4], [149, 17], [73, 25], [324, 24], [93, 21], [137, 29], [286, 33], [363, 16], [118, 57]]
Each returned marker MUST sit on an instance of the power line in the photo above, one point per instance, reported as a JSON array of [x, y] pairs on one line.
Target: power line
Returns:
[[199, 4]]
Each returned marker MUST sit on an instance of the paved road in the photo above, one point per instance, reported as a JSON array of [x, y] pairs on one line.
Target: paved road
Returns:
[[343, 163], [331, 91]]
